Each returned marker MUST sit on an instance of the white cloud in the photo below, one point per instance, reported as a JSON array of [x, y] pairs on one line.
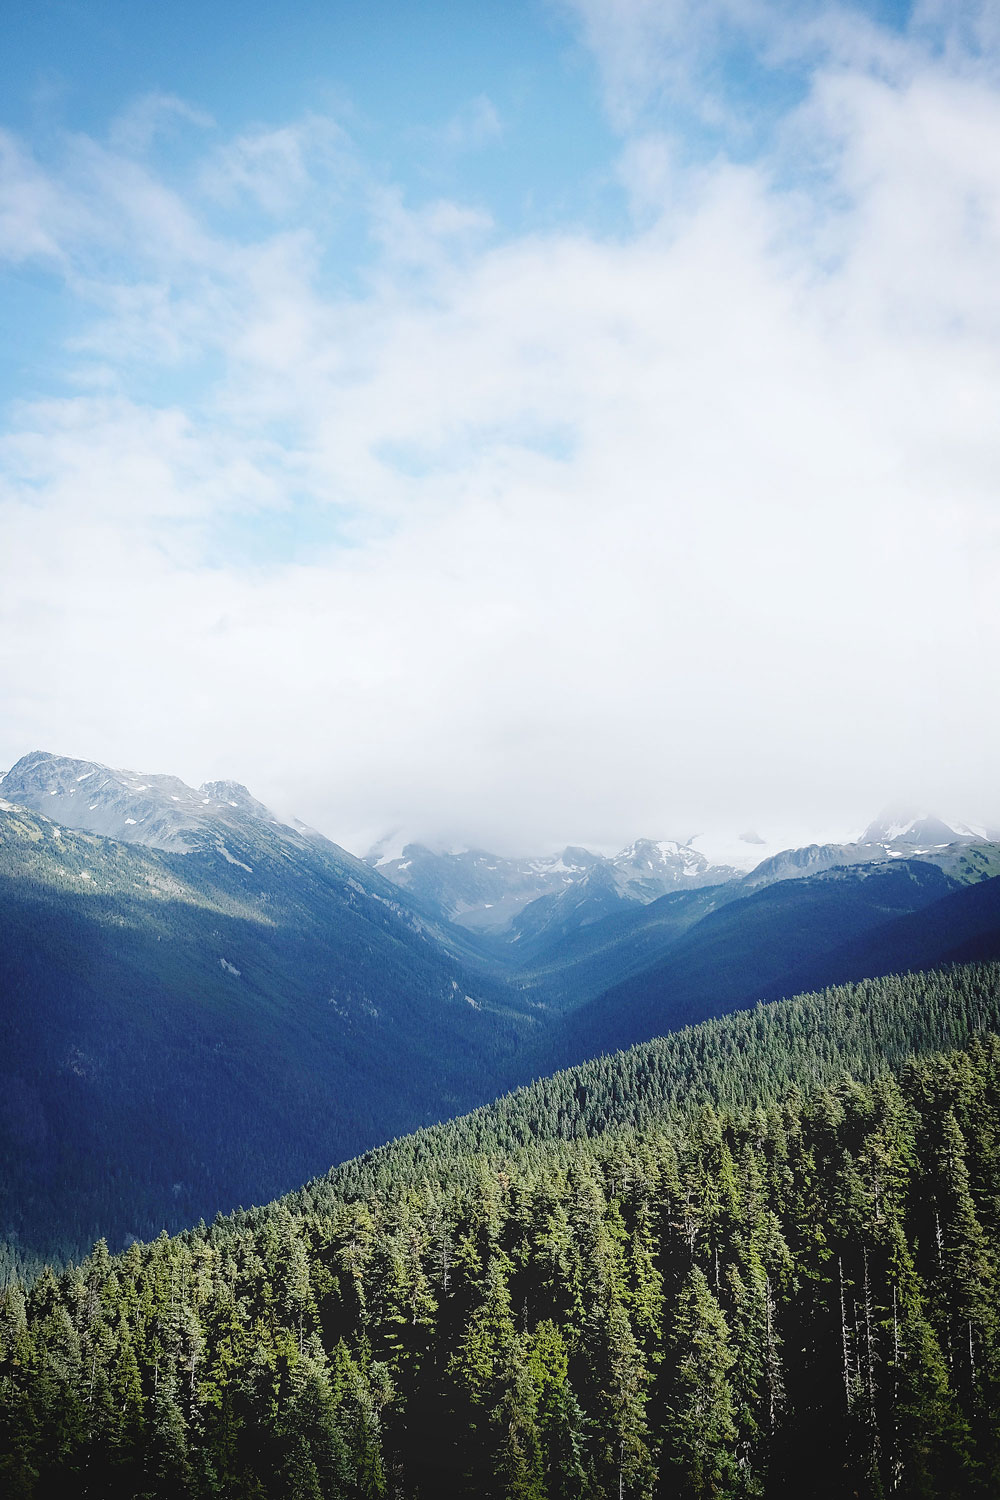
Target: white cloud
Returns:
[[152, 115], [611, 536], [278, 167], [31, 215]]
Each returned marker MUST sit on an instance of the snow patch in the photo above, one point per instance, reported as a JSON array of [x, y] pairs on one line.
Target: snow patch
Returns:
[[232, 859]]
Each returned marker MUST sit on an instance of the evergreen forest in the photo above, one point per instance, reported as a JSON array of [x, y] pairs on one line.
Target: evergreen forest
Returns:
[[755, 1258]]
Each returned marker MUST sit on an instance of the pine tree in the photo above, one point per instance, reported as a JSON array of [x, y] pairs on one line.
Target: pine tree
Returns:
[[168, 1467], [701, 1433]]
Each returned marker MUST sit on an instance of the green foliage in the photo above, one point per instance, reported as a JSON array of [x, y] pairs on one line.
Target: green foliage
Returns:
[[779, 1282]]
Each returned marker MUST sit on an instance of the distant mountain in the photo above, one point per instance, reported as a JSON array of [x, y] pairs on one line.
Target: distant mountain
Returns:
[[566, 965], [478, 889], [538, 902], [813, 859], [789, 936], [905, 829], [552, 919], [185, 1031], [650, 868], [487, 891]]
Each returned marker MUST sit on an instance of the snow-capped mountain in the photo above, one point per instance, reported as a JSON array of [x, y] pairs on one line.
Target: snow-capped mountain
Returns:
[[904, 829], [487, 891], [161, 812], [556, 893], [472, 887], [651, 867]]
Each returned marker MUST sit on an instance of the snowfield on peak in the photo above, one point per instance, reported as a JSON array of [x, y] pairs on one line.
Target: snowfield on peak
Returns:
[[161, 812]]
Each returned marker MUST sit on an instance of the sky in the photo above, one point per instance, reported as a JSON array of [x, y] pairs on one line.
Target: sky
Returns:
[[563, 421]]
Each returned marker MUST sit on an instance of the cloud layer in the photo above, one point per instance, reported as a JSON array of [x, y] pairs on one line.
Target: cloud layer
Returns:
[[515, 540]]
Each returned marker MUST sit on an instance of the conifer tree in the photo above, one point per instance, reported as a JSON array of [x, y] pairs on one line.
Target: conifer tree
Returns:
[[701, 1434]]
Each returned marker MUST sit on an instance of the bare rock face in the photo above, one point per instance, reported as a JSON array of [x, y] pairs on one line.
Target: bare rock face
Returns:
[[813, 859], [650, 868], [162, 812]]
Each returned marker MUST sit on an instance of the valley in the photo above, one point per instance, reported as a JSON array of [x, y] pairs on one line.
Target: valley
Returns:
[[620, 1179], [205, 1005]]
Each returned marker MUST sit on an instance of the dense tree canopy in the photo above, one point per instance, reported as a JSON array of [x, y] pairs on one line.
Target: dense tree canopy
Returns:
[[719, 1296]]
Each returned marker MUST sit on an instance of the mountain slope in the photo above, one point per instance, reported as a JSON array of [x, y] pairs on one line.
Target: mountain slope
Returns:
[[185, 1031], [958, 928], [218, 1004], [567, 965], [478, 889], [763, 1288], [162, 812], [570, 947], [744, 949]]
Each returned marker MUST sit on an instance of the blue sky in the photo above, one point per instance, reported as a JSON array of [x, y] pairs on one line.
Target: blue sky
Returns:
[[399, 74], [495, 105], [517, 424]]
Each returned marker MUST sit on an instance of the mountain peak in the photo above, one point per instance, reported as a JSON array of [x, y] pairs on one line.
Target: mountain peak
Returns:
[[233, 794], [162, 812], [912, 827]]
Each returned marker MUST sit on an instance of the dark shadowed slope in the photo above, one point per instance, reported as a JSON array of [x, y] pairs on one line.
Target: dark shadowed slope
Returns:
[[744, 950], [183, 1032]]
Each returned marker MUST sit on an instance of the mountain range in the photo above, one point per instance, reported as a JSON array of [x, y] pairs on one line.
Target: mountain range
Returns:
[[512, 897], [204, 1005], [487, 891], [754, 1254]]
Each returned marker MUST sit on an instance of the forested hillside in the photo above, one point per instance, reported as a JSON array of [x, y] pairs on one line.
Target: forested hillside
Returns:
[[184, 1032], [214, 1006], [785, 1288], [846, 923]]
